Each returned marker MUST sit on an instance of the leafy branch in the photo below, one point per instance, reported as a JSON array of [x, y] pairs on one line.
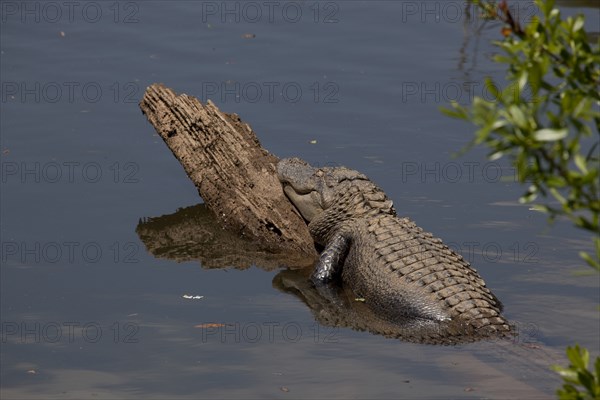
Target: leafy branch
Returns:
[[577, 374], [547, 118]]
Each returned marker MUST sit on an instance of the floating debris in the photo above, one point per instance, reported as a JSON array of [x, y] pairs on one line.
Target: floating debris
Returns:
[[314, 141], [209, 325], [284, 389], [190, 297], [248, 36]]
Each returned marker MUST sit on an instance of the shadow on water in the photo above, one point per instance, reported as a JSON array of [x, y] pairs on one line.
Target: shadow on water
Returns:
[[193, 234]]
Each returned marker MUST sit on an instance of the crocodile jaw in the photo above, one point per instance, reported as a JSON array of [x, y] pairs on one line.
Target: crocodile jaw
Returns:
[[308, 204]]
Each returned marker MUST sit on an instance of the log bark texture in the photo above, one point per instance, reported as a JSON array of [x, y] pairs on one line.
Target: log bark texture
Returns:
[[235, 176]]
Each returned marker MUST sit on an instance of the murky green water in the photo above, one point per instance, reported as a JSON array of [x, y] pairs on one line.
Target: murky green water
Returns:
[[89, 312]]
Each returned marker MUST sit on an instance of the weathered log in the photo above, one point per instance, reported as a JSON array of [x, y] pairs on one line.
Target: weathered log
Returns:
[[234, 175]]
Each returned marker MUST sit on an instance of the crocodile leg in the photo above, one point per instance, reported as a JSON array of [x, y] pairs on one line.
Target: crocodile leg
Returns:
[[331, 260]]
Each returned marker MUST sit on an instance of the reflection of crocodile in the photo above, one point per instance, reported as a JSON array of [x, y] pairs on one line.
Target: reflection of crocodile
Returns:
[[338, 308], [396, 268]]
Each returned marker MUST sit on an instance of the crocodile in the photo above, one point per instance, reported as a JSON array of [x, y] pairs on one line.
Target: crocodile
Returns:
[[396, 268]]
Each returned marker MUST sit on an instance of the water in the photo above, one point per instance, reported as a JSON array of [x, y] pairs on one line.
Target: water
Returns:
[[88, 312]]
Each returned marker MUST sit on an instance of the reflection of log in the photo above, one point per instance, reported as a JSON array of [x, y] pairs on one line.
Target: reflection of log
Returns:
[[234, 175], [193, 234]]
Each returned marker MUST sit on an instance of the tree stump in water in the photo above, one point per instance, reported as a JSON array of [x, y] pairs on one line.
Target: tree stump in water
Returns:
[[234, 175]]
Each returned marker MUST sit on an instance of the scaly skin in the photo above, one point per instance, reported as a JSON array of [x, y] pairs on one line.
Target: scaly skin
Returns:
[[397, 268]]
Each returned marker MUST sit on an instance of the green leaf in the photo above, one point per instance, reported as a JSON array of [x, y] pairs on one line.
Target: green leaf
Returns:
[[578, 357], [586, 380], [594, 263], [535, 79], [581, 163], [492, 89], [495, 156], [578, 24], [539, 208], [517, 116], [531, 195], [523, 80], [456, 111], [568, 374], [549, 135]]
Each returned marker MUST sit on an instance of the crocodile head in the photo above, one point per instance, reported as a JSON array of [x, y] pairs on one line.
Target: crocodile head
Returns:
[[315, 191]]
